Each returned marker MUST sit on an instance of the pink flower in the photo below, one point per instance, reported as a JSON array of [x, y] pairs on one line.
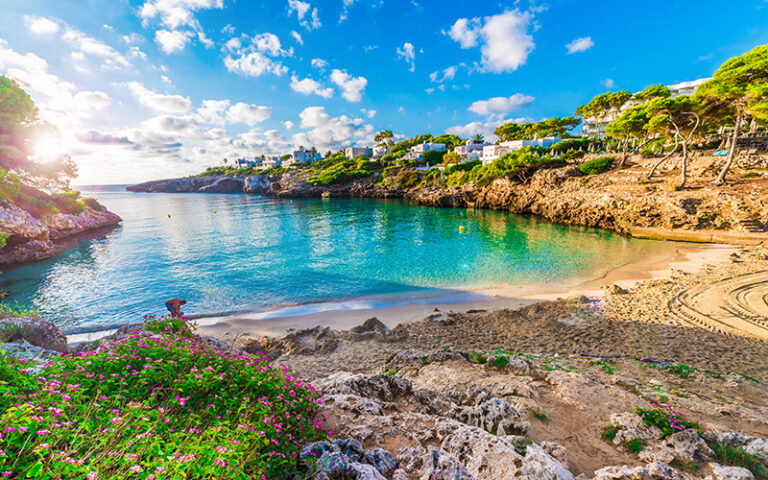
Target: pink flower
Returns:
[[136, 468]]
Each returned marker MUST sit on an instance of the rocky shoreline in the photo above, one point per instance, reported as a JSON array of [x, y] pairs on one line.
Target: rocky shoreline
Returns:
[[618, 201], [33, 238]]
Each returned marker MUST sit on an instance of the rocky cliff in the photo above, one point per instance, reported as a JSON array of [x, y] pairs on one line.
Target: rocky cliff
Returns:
[[31, 238], [620, 201]]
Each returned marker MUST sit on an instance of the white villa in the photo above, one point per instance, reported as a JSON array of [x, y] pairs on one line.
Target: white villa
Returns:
[[270, 161], [417, 151], [244, 163], [305, 156], [590, 128], [471, 150], [492, 152], [380, 150], [352, 152]]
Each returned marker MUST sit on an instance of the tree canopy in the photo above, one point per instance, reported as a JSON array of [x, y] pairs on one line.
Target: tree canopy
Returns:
[[526, 131], [20, 128], [737, 90]]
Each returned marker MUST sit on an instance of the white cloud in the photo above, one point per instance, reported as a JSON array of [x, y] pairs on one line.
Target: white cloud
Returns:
[[86, 45], [135, 52], [466, 32], [252, 58], [132, 38], [447, 74], [93, 100], [248, 114], [345, 10], [177, 13], [308, 86], [40, 25], [172, 41], [302, 8], [580, 45], [351, 87], [254, 64], [368, 113], [319, 63], [297, 36], [331, 133], [408, 53], [504, 39], [159, 102], [213, 111], [178, 18], [608, 83], [500, 105], [288, 124]]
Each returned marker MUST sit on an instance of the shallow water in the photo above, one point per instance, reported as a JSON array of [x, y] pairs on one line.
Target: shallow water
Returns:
[[236, 253]]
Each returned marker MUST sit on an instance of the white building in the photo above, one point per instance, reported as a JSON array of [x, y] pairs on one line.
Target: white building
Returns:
[[469, 147], [305, 156], [425, 147], [492, 152], [352, 152], [590, 125], [270, 161], [380, 150], [243, 163]]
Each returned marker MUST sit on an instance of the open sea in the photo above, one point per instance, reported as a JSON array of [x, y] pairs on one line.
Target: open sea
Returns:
[[233, 253]]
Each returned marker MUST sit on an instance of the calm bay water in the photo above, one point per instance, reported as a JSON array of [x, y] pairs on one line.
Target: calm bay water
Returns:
[[236, 253]]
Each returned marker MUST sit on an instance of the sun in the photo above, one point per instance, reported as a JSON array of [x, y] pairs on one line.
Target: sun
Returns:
[[48, 146]]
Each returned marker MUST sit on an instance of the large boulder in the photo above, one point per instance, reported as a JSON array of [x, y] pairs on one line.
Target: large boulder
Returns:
[[34, 330], [632, 426], [298, 342], [493, 415], [346, 459], [431, 464], [720, 472], [752, 445]]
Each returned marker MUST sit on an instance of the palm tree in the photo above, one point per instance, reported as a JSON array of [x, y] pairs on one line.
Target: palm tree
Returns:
[[478, 138]]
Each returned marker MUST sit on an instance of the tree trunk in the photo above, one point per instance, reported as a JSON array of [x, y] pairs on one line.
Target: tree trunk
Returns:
[[663, 159], [624, 153], [731, 152], [684, 166]]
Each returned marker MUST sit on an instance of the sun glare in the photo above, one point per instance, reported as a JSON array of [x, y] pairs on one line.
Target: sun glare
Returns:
[[48, 146]]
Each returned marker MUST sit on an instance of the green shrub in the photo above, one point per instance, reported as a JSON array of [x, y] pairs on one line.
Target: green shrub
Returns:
[[69, 202], [668, 420], [596, 165], [682, 371], [434, 157], [750, 175], [93, 204], [738, 457], [9, 185], [500, 361], [154, 404], [474, 357], [609, 432], [3, 238], [541, 415], [636, 445]]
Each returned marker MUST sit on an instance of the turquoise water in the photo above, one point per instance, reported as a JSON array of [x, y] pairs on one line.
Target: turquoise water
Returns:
[[256, 254]]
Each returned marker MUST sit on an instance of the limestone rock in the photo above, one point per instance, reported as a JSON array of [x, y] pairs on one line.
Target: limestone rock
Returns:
[[431, 464], [720, 472], [317, 340], [631, 426], [34, 330], [374, 329], [652, 471], [685, 445], [346, 459], [494, 416]]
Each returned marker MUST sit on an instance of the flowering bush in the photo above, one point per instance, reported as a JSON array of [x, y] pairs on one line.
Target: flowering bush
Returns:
[[668, 420], [155, 406]]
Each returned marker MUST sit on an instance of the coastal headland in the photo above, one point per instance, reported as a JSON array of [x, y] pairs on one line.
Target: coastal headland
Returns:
[[621, 201]]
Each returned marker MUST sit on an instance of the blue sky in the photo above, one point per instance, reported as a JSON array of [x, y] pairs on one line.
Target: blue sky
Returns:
[[145, 89]]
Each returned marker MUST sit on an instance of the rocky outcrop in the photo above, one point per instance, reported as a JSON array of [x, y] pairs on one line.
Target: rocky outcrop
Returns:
[[34, 330], [224, 185], [30, 239], [562, 195]]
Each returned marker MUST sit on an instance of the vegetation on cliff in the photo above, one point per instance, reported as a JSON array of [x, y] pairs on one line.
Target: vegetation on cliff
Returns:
[[28, 180], [159, 403]]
